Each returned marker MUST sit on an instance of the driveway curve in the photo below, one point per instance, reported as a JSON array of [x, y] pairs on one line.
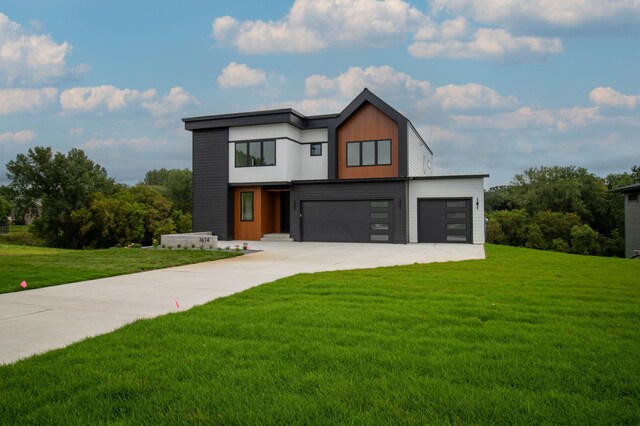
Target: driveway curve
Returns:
[[39, 320]]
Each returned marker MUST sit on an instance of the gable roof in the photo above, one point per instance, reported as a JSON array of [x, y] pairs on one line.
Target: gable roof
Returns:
[[367, 96]]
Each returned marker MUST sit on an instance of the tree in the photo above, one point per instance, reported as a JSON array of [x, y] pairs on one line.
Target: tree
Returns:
[[5, 210], [62, 184], [584, 240], [132, 215], [175, 184]]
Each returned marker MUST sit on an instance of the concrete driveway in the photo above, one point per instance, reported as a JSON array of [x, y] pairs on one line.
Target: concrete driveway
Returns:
[[35, 321]]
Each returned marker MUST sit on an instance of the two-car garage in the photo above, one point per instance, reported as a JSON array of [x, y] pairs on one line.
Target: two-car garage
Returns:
[[347, 221]]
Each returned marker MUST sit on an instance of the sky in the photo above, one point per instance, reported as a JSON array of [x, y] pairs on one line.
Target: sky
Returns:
[[493, 86]]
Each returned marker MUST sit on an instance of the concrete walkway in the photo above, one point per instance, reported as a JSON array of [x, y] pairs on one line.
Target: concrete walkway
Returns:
[[35, 321]]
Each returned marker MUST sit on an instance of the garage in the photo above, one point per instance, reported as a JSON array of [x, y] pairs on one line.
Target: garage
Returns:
[[347, 221], [444, 220]]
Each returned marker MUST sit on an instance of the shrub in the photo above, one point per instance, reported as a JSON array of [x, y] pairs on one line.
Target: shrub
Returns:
[[495, 234], [535, 238], [584, 240], [558, 244]]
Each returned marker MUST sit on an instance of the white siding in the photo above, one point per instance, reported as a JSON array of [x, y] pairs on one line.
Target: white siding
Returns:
[[420, 159], [448, 188], [293, 159]]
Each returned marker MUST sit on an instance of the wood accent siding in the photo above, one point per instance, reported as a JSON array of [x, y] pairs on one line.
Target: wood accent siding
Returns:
[[266, 214], [367, 123]]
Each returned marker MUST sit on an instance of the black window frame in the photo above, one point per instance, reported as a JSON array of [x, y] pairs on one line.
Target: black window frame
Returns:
[[242, 219], [377, 155], [248, 159], [319, 149]]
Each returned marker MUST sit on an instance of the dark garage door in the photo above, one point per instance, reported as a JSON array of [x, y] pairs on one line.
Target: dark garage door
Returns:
[[444, 221], [348, 221]]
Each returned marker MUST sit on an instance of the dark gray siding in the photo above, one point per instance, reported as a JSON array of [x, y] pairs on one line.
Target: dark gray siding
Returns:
[[212, 206], [631, 224], [352, 191]]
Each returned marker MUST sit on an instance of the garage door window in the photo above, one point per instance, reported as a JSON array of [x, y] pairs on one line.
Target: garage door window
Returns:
[[451, 226], [457, 215], [457, 238], [378, 204], [381, 215], [379, 238], [451, 204], [379, 226]]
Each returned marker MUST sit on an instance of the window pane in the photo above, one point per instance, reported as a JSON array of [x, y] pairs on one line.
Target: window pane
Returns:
[[353, 154], [457, 238], [457, 215], [255, 159], [633, 198], [316, 149], [378, 204], [379, 238], [384, 152], [379, 215], [241, 154], [269, 153], [246, 206], [456, 204], [368, 153], [379, 226], [456, 226]]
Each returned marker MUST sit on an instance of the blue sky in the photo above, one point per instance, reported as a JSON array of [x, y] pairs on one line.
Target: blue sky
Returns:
[[493, 86]]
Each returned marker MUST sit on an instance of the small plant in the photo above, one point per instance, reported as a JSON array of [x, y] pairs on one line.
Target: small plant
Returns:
[[227, 248], [155, 243], [163, 246], [170, 247], [185, 248], [179, 245], [193, 246], [210, 247], [245, 246], [237, 247]]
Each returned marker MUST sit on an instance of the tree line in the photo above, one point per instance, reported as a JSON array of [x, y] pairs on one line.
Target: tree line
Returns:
[[566, 209], [77, 205]]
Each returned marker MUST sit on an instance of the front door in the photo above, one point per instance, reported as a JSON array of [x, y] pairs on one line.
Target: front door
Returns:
[[284, 212]]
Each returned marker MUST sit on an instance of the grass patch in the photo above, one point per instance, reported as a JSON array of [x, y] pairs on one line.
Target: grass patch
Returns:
[[522, 337], [20, 234], [43, 267]]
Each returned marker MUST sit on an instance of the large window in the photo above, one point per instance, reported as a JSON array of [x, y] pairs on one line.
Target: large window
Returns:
[[246, 206], [259, 153], [369, 153]]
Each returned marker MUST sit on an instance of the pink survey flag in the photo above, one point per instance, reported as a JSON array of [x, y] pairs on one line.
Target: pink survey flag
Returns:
[[23, 284], [177, 304]]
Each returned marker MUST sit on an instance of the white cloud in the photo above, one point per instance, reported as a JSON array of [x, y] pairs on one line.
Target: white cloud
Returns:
[[555, 13], [171, 103], [526, 117], [25, 100], [484, 43], [606, 96], [402, 89], [76, 131], [313, 25], [471, 95], [30, 58], [21, 137], [85, 99], [240, 75], [382, 79]]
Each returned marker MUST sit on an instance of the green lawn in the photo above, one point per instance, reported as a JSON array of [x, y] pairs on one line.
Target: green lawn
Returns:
[[43, 267], [522, 337]]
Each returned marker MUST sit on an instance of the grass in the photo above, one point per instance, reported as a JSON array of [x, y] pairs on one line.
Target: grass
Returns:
[[20, 234], [521, 337], [44, 267]]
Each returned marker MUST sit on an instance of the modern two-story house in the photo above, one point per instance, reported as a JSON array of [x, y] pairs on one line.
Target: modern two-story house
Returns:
[[361, 175]]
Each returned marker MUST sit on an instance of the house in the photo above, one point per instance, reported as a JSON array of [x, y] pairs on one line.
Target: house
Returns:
[[362, 175], [631, 219]]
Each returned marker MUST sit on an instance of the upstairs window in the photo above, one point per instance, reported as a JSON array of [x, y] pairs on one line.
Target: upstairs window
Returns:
[[252, 154], [316, 149], [369, 153]]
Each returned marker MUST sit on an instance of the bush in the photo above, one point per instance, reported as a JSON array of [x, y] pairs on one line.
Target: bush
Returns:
[[558, 244], [514, 225], [584, 240], [535, 238], [495, 234]]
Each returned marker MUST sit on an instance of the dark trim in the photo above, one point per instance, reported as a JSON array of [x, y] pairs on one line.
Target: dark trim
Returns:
[[444, 177], [338, 181], [277, 138], [629, 188], [276, 183], [252, 118]]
